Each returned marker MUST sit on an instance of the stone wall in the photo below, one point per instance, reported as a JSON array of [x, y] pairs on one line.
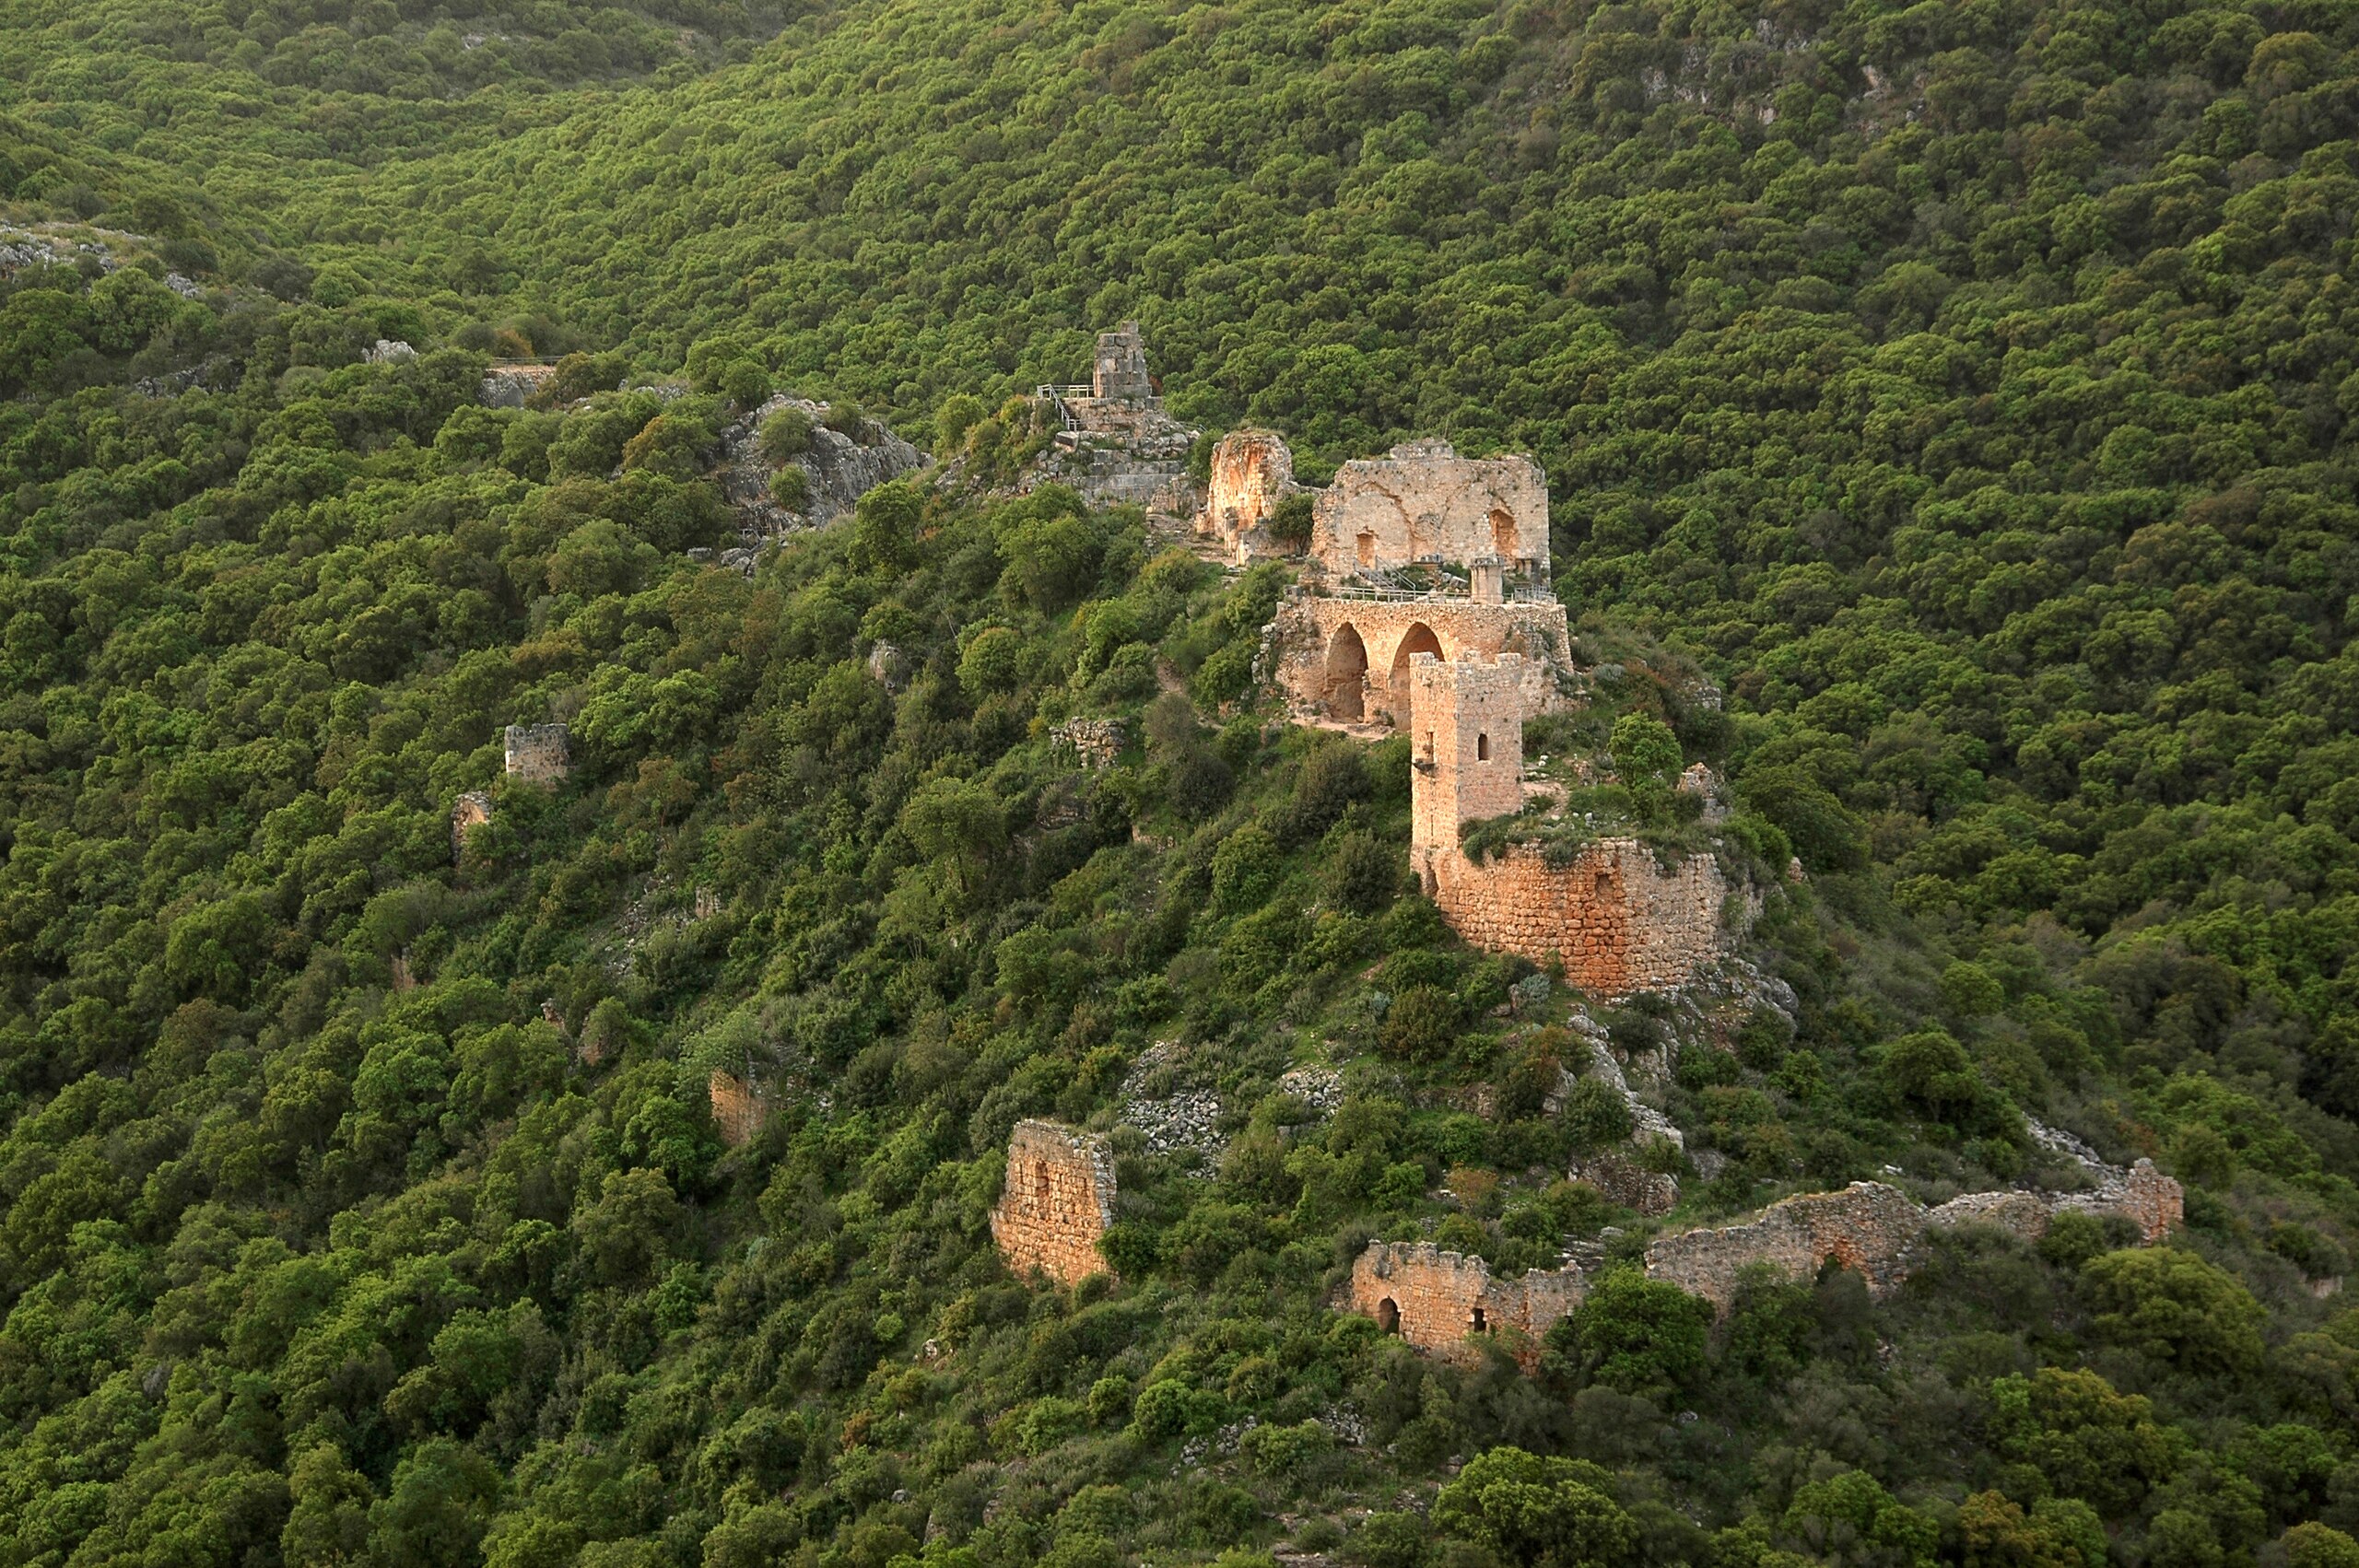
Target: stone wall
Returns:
[[739, 1108], [1423, 501], [471, 810], [1252, 470], [1094, 743], [1434, 1299], [1868, 1228], [1612, 917], [1057, 1201], [1465, 747], [538, 753], [1348, 659]]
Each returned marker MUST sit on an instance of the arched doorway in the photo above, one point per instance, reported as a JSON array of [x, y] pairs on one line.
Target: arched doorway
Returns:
[[1418, 638], [1504, 542], [1347, 674], [1388, 1315]]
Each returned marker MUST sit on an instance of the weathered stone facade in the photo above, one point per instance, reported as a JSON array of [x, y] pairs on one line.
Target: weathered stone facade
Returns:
[[1094, 743], [1252, 470], [1616, 920], [1118, 368], [1348, 658], [1058, 1199], [538, 753], [1423, 502], [739, 1107], [1434, 1299], [471, 810]]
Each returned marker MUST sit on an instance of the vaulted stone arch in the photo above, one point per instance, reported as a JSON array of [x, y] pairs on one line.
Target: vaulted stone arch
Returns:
[[1345, 682], [1415, 638]]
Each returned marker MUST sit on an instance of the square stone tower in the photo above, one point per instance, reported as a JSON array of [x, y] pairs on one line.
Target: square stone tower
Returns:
[[1465, 749], [1118, 371]]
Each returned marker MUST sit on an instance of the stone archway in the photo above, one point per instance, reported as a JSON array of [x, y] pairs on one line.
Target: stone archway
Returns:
[[1388, 1315], [1418, 638], [1345, 682]]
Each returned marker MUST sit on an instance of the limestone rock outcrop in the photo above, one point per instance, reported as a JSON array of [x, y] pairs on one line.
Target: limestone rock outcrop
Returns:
[[470, 811], [836, 469]]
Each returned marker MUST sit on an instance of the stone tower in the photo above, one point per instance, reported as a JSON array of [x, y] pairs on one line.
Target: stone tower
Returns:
[[1466, 750], [1118, 371]]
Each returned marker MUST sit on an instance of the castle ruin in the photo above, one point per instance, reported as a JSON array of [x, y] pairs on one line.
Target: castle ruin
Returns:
[[1435, 1300], [1611, 914], [1057, 1201], [1116, 445], [469, 812], [1420, 551]]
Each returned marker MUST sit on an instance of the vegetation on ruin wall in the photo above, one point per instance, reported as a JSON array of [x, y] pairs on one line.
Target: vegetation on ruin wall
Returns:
[[1978, 423]]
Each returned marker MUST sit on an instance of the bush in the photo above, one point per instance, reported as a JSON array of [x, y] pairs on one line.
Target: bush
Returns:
[[1422, 1025], [1634, 1335], [790, 488], [2175, 1307], [784, 435]]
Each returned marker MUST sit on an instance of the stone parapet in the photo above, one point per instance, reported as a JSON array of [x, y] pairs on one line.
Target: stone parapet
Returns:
[[1058, 1198]]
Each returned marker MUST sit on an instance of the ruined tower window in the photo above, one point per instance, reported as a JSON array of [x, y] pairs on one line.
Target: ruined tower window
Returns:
[[1429, 745], [1040, 1180], [1481, 1323], [1367, 548], [1604, 885], [1482, 747], [1388, 1315], [1503, 535]]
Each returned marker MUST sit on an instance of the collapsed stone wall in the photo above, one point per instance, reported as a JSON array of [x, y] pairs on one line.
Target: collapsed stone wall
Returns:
[[1057, 1201], [1434, 1299], [1619, 922], [1094, 743], [1348, 659], [1423, 501], [538, 753], [470, 811], [739, 1108]]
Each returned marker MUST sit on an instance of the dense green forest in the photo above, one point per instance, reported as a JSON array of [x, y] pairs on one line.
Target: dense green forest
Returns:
[[1964, 389]]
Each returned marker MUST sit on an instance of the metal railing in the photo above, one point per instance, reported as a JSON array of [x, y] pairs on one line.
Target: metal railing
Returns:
[[1057, 395]]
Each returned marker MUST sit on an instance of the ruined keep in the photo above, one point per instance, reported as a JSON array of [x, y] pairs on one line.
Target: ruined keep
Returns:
[[538, 753], [1422, 502], [1057, 1201], [1117, 370], [1617, 921], [1436, 1299]]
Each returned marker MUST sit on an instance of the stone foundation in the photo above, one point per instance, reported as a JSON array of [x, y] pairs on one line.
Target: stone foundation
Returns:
[[1057, 1201], [538, 753], [1612, 917]]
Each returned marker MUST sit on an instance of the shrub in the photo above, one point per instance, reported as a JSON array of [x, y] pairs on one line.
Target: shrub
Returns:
[[784, 435], [790, 488], [1422, 1025]]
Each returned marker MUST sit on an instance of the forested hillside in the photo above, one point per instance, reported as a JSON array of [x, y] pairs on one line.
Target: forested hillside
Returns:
[[1964, 390]]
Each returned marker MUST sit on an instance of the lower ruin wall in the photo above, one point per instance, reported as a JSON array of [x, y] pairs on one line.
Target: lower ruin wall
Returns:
[[1436, 1299], [1616, 921], [1057, 1201]]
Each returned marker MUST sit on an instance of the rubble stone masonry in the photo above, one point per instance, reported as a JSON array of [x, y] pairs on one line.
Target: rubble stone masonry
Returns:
[[538, 753], [1612, 917], [1434, 1299], [1058, 1199]]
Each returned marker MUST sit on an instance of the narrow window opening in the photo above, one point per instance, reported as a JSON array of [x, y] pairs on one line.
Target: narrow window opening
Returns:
[[1481, 1323], [1040, 1180], [1604, 885], [1429, 745], [1366, 548], [1482, 747]]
